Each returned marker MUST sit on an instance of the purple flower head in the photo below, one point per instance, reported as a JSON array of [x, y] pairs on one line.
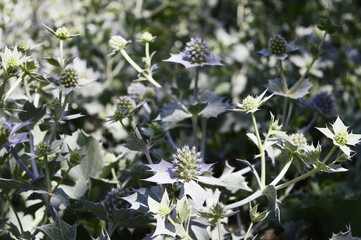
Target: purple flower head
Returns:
[[324, 102], [196, 54], [278, 47], [186, 168], [8, 134]]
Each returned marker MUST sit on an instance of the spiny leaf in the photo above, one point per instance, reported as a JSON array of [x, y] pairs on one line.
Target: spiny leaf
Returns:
[[59, 230]]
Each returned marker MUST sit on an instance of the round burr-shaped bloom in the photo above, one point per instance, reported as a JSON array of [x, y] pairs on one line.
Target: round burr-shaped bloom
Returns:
[[341, 137], [196, 54], [252, 104], [298, 139], [113, 200], [69, 78], [277, 45], [42, 149], [187, 168], [324, 102], [186, 163], [125, 107], [118, 43]]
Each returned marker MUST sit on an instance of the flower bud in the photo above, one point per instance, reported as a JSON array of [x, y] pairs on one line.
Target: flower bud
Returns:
[[324, 102], [186, 163], [125, 106], [74, 157], [277, 45], [118, 42], [147, 37], [69, 78], [250, 103], [42, 149]]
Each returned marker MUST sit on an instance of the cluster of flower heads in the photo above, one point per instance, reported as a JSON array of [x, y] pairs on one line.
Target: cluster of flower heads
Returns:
[[278, 47], [196, 54], [324, 102]]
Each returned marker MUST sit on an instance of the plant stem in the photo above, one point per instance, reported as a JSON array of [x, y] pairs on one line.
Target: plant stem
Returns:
[[61, 180], [248, 231], [261, 151], [297, 179], [20, 162], [2, 89], [61, 48], [15, 212], [48, 185], [12, 89], [175, 225], [58, 116], [27, 89], [139, 136], [219, 229], [310, 124], [194, 127], [195, 90], [329, 154], [283, 77], [302, 78], [115, 177], [32, 159], [246, 200], [283, 172], [204, 135]]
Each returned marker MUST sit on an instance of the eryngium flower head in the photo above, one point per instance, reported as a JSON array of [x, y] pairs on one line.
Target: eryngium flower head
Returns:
[[69, 78], [62, 33], [186, 163], [252, 104], [125, 107], [8, 134], [118, 43], [186, 168], [299, 140], [12, 59], [42, 149], [113, 200], [341, 137], [324, 103], [196, 54], [278, 46]]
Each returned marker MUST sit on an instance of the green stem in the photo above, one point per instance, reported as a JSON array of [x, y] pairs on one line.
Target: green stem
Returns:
[[15, 212], [283, 77], [204, 134], [219, 229], [248, 231], [115, 177], [61, 180], [303, 77], [2, 89], [261, 151], [12, 89], [61, 47], [195, 91], [175, 225], [27, 89], [147, 55], [284, 112], [282, 173], [297, 179], [246, 200], [58, 116], [139, 136], [329, 154], [194, 127], [48, 185]]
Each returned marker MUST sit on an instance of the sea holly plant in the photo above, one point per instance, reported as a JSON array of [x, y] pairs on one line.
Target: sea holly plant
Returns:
[[147, 152]]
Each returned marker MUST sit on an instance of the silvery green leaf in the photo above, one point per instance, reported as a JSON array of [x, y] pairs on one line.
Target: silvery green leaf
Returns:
[[271, 193], [59, 230], [172, 112], [183, 209], [136, 144], [335, 168], [253, 138], [215, 105], [139, 199], [235, 180], [344, 236], [8, 184], [198, 229], [195, 109], [275, 86]]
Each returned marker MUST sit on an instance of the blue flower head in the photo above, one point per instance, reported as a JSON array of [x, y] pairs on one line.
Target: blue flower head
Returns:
[[324, 102], [8, 134], [196, 54]]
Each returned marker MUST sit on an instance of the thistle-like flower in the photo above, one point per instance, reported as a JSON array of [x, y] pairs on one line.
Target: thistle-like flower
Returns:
[[278, 46], [118, 43], [69, 78], [8, 134], [215, 213], [252, 104], [125, 108], [12, 59], [186, 168], [62, 33], [42, 149], [146, 37], [196, 54], [341, 137], [114, 200], [299, 140], [324, 103]]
